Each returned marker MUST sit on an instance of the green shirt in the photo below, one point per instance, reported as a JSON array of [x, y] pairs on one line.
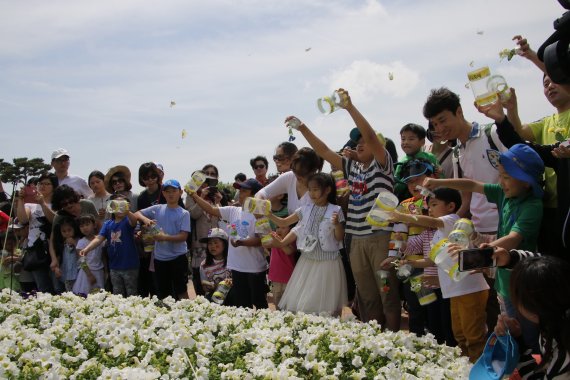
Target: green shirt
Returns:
[[400, 188], [522, 215], [544, 135]]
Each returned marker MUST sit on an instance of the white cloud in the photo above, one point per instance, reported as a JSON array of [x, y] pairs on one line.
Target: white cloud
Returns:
[[366, 80]]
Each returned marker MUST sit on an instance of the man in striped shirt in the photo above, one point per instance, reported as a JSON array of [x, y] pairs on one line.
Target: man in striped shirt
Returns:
[[368, 175]]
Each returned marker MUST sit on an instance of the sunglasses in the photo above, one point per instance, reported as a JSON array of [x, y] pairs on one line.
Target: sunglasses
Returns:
[[149, 177], [280, 157], [259, 167], [118, 180], [67, 203], [62, 159]]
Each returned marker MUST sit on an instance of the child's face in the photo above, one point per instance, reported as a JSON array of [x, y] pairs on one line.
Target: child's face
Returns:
[[96, 184], [318, 194], [87, 228], [511, 186], [282, 231], [67, 231], [438, 208], [413, 182], [172, 195], [243, 195], [410, 142], [216, 247], [363, 152]]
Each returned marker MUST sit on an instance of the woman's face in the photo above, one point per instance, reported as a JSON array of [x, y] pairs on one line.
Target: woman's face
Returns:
[[45, 187], [72, 207], [282, 161], [118, 184], [96, 184], [259, 168], [150, 179]]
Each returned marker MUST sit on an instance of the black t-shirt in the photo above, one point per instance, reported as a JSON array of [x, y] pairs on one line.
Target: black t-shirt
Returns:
[[147, 199]]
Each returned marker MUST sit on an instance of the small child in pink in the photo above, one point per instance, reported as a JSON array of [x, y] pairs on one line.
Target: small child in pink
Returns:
[[281, 265]]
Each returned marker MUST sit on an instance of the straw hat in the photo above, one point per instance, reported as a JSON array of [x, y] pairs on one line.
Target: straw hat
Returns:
[[114, 170]]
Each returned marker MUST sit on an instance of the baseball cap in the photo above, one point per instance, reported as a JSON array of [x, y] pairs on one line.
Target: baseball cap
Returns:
[[416, 168], [215, 233], [59, 153], [249, 184], [355, 135], [171, 183], [499, 358], [523, 163], [159, 166]]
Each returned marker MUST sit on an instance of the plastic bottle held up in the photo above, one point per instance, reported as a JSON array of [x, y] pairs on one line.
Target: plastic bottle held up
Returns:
[[459, 237], [257, 206], [439, 254], [329, 104], [498, 84], [478, 82], [466, 225], [219, 295], [341, 183], [198, 178], [379, 214]]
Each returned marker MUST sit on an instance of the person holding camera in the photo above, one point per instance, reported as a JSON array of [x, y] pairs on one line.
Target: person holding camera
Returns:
[[202, 222]]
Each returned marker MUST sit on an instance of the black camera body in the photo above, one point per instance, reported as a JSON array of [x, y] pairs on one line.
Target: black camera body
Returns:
[[554, 52]]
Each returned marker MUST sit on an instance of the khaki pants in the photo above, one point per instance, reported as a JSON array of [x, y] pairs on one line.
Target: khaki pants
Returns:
[[468, 322], [366, 256]]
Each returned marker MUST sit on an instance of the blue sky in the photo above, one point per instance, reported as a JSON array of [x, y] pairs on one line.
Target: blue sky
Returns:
[[98, 77]]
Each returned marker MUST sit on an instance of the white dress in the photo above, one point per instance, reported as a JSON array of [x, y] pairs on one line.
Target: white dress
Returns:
[[318, 282]]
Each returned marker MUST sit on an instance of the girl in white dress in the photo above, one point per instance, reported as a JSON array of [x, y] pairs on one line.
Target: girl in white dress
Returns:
[[318, 283]]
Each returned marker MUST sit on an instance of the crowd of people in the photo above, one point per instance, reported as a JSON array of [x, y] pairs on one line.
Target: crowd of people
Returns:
[[321, 252]]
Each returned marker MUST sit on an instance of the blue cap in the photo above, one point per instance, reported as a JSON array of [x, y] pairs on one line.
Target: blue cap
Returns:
[[499, 358], [415, 168], [171, 183], [249, 184], [523, 163]]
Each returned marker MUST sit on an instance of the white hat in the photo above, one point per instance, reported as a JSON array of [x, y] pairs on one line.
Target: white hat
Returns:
[[215, 233], [58, 153]]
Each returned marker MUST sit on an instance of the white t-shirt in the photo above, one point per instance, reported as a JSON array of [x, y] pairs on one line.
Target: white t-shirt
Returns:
[[243, 259], [450, 288], [37, 219], [475, 163], [286, 183], [78, 184]]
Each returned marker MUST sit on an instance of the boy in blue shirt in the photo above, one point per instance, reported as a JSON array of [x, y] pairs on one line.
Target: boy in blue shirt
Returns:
[[170, 260]]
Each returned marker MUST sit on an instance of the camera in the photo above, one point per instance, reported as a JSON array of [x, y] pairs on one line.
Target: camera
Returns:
[[554, 52], [212, 191]]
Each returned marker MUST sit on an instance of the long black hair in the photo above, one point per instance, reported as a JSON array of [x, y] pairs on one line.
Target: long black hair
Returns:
[[324, 181], [541, 286]]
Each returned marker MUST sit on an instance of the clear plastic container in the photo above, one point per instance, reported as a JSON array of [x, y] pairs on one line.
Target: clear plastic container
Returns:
[[439, 254], [147, 237], [329, 104], [425, 295], [459, 237], [379, 214], [498, 84], [198, 178], [117, 206], [262, 226], [221, 291], [257, 206], [466, 225], [478, 82], [341, 183]]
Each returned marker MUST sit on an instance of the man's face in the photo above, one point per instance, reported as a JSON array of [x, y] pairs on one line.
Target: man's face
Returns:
[[60, 164], [447, 123], [557, 94]]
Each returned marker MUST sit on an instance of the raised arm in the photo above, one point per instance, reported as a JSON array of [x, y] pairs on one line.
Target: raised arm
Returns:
[[461, 184], [317, 144], [212, 210]]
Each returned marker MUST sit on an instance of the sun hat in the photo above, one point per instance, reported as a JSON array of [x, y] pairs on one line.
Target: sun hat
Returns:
[[499, 358], [215, 233], [355, 135], [171, 183], [523, 163], [249, 184], [59, 153], [112, 172]]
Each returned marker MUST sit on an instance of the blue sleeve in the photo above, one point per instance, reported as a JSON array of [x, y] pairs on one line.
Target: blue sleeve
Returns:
[[185, 221]]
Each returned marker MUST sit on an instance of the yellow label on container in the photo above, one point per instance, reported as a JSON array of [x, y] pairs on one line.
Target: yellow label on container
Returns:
[[427, 299], [478, 74], [487, 98], [436, 250]]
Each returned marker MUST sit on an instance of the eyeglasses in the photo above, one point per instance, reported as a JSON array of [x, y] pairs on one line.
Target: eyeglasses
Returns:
[[117, 180], [280, 157], [45, 184], [68, 203], [259, 166], [149, 177]]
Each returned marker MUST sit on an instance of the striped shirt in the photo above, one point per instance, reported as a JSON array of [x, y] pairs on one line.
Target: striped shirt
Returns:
[[422, 243], [558, 368], [365, 184]]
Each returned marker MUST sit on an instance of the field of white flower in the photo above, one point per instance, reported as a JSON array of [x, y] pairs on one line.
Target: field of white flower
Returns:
[[109, 337]]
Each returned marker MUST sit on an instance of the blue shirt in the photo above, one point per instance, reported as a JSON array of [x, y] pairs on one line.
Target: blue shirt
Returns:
[[171, 221], [121, 248]]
